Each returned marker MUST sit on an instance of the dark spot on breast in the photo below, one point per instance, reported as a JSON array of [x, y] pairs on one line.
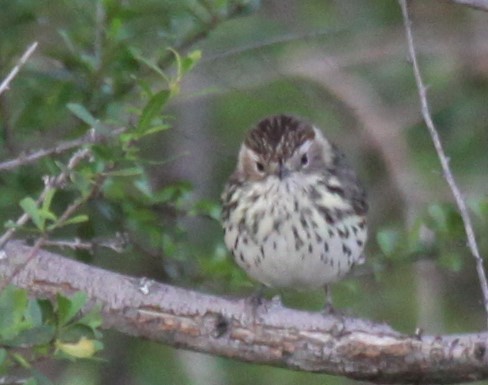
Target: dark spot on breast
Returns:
[[326, 247], [326, 214], [359, 242], [276, 224], [343, 233], [346, 250], [298, 240]]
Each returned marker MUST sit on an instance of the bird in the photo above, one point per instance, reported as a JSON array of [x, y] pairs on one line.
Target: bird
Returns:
[[294, 212]]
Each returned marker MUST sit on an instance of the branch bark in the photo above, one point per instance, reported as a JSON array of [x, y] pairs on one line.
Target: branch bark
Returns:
[[275, 335]]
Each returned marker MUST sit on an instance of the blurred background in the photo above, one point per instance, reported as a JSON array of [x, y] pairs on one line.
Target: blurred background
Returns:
[[342, 65]]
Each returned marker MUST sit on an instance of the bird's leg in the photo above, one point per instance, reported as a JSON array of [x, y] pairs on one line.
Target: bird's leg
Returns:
[[256, 299], [328, 308]]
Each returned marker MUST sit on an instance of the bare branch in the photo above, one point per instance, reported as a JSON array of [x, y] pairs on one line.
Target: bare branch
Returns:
[[5, 84], [117, 244], [476, 4], [277, 336], [49, 183], [90, 138], [444, 160]]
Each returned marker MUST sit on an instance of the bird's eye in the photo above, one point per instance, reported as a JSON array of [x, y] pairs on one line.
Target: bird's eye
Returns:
[[259, 166], [304, 160]]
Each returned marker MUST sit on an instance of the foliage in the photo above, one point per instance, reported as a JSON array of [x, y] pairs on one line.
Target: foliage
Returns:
[[33, 330], [110, 86]]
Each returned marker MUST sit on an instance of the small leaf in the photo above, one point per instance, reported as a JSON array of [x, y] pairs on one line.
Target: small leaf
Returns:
[[189, 61], [439, 214], [30, 208], [131, 171], [451, 261], [69, 307], [388, 241], [77, 219], [46, 203], [83, 114], [136, 55], [13, 304], [36, 336], [93, 319], [84, 348], [34, 312], [152, 109]]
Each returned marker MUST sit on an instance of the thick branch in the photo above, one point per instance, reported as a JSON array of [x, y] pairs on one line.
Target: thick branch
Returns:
[[276, 336]]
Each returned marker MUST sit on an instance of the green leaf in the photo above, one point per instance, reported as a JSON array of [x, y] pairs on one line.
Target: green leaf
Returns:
[[152, 109], [84, 348], [207, 208], [34, 313], [136, 55], [451, 261], [69, 307], [76, 219], [29, 206], [93, 319], [13, 304], [131, 171], [388, 241], [189, 61], [46, 203], [40, 335], [83, 114]]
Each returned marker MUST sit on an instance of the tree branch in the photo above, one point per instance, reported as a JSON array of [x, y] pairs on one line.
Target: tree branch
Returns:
[[444, 160], [476, 4], [6, 82], [91, 137], [276, 336]]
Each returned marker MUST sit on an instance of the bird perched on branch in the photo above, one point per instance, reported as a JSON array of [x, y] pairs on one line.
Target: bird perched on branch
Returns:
[[293, 211]]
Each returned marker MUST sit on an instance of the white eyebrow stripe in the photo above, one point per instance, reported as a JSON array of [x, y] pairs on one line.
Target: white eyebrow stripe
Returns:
[[305, 146]]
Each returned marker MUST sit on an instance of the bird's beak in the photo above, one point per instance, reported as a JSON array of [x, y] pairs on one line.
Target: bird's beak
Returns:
[[283, 171]]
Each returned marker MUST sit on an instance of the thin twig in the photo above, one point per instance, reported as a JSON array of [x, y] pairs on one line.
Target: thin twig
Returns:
[[476, 4], [444, 160], [90, 138], [5, 84], [49, 183], [68, 212], [117, 244]]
